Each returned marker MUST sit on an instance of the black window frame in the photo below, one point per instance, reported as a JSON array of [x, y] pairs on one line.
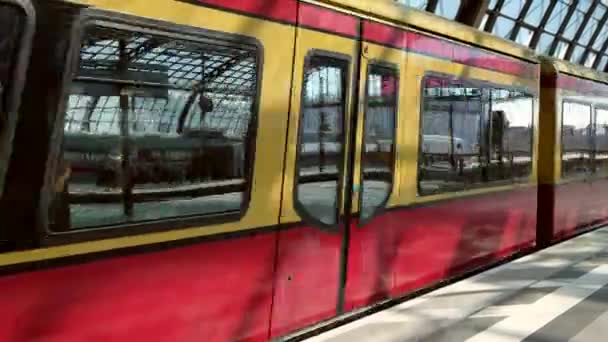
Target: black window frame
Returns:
[[340, 60], [591, 134], [489, 87], [10, 109], [114, 20], [395, 69]]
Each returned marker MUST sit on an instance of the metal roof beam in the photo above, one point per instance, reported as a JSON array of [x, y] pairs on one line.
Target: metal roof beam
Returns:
[[492, 15], [471, 12], [580, 31], [543, 22], [593, 39], [563, 26], [431, 6], [520, 20]]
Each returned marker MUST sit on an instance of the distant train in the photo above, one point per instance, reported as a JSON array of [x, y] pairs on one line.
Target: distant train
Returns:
[[217, 170]]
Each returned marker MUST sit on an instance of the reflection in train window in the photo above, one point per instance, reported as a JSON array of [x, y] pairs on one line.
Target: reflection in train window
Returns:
[[601, 142], [377, 162], [576, 139], [155, 128], [473, 135], [320, 150], [510, 138], [450, 138], [12, 25]]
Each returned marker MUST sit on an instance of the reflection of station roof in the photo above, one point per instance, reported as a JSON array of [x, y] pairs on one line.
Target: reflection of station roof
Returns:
[[162, 73], [572, 30]]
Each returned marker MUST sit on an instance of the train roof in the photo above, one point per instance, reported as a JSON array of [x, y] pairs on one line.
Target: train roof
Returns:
[[394, 12], [561, 66]]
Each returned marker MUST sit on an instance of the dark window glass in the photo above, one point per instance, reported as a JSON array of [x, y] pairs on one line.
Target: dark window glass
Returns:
[[451, 149], [510, 136], [576, 139], [319, 164], [377, 162], [601, 142], [155, 128], [12, 24]]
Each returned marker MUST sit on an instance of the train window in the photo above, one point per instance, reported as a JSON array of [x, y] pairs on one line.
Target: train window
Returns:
[[320, 150], [473, 135], [377, 162], [155, 128], [451, 144], [576, 139], [601, 141], [510, 130]]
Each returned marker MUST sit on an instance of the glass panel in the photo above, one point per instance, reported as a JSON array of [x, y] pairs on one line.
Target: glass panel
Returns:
[[577, 54], [510, 135], [419, 4], [601, 38], [321, 138], [537, 11], [590, 59], [588, 31], [12, 24], [576, 139], [573, 24], [155, 128], [524, 36], [451, 149], [558, 15], [512, 8], [601, 142], [562, 48], [377, 162], [503, 27], [602, 64], [544, 44], [448, 8]]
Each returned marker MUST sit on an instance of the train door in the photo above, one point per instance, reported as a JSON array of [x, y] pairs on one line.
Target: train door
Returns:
[[325, 189], [16, 31], [312, 242]]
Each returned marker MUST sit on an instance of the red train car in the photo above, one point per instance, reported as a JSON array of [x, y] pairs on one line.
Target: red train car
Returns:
[[242, 170]]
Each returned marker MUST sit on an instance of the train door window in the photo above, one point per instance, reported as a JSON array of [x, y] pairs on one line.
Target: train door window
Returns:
[[576, 139], [377, 160], [510, 137], [321, 136], [156, 127], [451, 138], [601, 142]]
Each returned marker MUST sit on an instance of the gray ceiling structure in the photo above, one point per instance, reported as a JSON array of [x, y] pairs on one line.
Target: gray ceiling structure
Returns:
[[574, 30]]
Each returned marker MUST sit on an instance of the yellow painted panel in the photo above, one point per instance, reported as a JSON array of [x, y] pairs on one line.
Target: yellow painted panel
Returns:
[[277, 47]]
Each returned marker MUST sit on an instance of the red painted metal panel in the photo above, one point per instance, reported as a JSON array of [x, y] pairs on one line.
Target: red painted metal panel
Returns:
[[215, 291], [384, 34], [424, 245], [306, 284], [281, 10], [572, 211], [581, 85], [327, 20]]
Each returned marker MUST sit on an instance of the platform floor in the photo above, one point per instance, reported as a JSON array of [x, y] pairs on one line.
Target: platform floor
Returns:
[[557, 294]]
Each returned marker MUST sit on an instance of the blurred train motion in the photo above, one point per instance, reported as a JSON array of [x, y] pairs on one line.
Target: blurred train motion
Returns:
[[217, 170]]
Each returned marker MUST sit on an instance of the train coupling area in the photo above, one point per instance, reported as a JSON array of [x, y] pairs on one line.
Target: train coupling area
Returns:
[[556, 294]]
